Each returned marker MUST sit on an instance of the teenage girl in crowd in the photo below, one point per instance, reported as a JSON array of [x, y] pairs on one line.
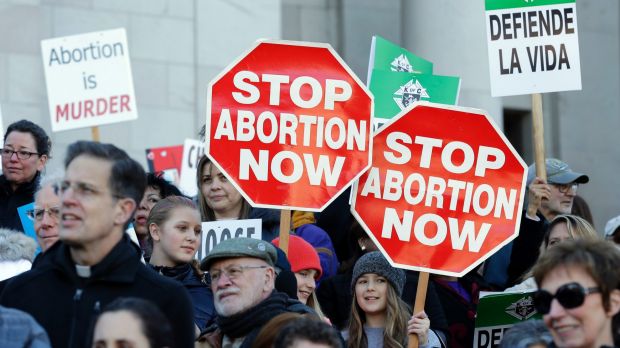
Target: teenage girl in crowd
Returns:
[[174, 226], [306, 266], [379, 318]]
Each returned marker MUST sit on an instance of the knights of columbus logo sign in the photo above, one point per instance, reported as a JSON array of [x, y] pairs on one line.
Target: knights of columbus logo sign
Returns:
[[409, 93], [522, 309], [401, 64]]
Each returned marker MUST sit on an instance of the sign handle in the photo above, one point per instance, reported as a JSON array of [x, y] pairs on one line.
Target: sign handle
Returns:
[[285, 227], [538, 133], [95, 133], [420, 299]]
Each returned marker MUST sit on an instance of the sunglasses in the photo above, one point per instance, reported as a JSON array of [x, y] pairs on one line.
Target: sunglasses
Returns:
[[571, 295]]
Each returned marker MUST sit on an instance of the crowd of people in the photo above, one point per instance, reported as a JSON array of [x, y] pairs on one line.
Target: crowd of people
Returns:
[[117, 265]]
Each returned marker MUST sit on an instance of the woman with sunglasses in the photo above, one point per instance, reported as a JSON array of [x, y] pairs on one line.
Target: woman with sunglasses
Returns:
[[579, 293], [562, 228]]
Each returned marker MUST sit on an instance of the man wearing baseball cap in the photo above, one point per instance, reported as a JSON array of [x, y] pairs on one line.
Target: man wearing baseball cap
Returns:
[[243, 284], [546, 199], [612, 230]]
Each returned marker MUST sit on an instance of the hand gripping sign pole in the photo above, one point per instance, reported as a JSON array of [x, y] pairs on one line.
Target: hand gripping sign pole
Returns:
[[420, 300]]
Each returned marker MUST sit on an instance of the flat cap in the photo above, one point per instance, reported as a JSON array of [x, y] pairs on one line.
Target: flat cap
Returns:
[[241, 247]]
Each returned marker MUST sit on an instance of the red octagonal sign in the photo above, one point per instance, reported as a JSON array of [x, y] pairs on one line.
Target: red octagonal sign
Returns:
[[289, 124], [444, 192]]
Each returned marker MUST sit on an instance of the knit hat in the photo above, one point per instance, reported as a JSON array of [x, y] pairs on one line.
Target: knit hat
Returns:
[[301, 255], [375, 262]]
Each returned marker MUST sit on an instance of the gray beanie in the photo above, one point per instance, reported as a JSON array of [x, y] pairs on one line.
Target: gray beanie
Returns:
[[375, 262]]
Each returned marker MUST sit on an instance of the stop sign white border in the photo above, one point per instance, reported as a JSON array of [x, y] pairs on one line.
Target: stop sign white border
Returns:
[[517, 212], [289, 43]]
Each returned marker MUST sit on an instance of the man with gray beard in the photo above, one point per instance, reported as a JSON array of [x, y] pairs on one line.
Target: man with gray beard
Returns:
[[243, 282]]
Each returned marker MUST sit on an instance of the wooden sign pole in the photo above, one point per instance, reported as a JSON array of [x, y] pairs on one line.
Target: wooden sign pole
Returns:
[[285, 227], [418, 306], [538, 133], [95, 133]]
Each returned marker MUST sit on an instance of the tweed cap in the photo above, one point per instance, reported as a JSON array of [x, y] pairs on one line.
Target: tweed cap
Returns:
[[375, 262], [241, 247]]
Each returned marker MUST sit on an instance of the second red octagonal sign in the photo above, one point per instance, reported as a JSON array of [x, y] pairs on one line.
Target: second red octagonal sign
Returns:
[[444, 192], [289, 123]]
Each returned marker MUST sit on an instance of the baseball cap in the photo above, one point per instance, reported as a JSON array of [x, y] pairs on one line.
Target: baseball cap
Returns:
[[241, 247], [558, 172], [612, 225]]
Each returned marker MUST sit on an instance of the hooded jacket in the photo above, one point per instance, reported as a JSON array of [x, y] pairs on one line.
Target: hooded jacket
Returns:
[[67, 305]]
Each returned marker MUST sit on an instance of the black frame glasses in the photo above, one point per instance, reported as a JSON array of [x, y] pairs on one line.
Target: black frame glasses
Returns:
[[21, 154], [571, 295], [563, 188]]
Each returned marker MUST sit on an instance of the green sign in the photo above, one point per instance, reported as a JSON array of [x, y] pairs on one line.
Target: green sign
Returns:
[[395, 91], [505, 4], [497, 312], [387, 56]]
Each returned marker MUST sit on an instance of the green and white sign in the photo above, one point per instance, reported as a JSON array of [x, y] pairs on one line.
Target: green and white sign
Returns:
[[499, 311], [394, 92], [387, 56], [533, 46]]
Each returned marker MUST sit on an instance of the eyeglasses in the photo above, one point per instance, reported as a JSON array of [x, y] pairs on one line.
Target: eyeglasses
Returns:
[[232, 272], [21, 154], [571, 295], [563, 188], [37, 214], [80, 189]]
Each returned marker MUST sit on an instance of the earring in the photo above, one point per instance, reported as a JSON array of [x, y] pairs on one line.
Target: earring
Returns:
[[363, 247]]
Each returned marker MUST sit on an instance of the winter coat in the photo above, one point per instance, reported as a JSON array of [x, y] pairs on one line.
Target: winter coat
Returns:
[[199, 292], [11, 200], [67, 305]]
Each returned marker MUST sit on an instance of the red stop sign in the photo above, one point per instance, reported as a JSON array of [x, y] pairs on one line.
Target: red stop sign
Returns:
[[289, 124], [444, 191]]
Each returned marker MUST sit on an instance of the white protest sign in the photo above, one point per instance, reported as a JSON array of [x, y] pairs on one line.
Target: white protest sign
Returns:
[[533, 46], [214, 232], [193, 150], [89, 81]]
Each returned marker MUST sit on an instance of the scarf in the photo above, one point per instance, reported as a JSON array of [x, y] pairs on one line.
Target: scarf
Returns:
[[241, 324], [177, 272]]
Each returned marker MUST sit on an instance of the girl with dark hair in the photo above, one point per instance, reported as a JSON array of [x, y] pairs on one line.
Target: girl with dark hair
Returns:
[[132, 322], [379, 318], [175, 227]]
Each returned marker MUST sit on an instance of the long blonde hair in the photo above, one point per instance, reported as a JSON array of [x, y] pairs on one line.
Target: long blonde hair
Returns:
[[395, 331], [577, 227]]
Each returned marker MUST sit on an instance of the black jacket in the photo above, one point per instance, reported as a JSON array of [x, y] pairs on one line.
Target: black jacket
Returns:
[[199, 292], [67, 305], [526, 247], [11, 200]]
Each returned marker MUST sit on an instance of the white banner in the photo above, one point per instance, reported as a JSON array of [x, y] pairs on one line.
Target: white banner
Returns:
[[89, 81], [214, 232]]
